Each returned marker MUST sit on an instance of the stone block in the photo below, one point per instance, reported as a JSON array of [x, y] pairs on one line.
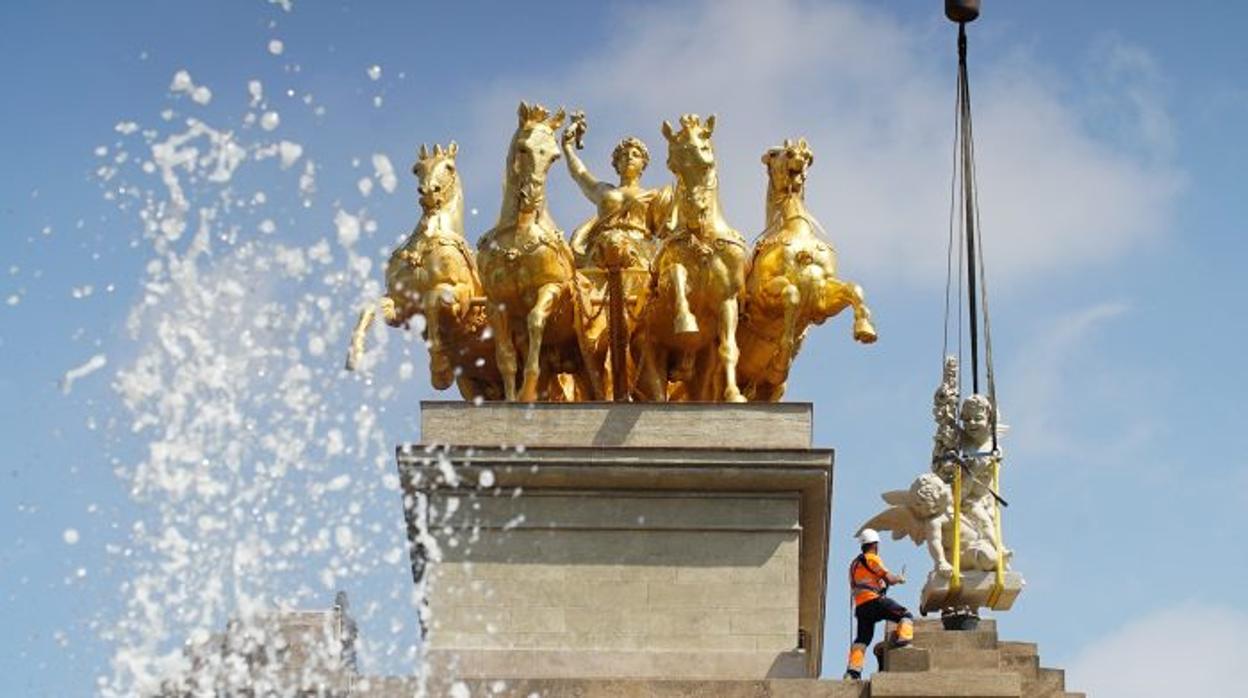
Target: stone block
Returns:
[[1047, 683], [535, 619], [672, 541], [975, 591], [762, 621], [644, 425], [1021, 658], [778, 641], [934, 625], [522, 663], [965, 659], [633, 688], [905, 659], [693, 623], [945, 684]]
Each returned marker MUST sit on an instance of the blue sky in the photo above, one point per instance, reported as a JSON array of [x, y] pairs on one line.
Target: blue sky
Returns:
[[1111, 151]]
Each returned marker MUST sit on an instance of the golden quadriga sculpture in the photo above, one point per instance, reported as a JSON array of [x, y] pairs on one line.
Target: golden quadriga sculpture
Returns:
[[695, 315]]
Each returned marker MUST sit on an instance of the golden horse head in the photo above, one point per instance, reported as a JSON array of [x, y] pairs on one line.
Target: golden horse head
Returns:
[[787, 165], [435, 170], [534, 148], [689, 151]]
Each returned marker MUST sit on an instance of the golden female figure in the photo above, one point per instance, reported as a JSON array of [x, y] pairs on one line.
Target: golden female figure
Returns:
[[615, 247]]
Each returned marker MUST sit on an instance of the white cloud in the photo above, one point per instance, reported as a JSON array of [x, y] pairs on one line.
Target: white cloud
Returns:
[[875, 98], [1046, 372], [1189, 650]]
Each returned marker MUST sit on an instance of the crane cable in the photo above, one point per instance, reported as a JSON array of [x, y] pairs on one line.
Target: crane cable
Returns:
[[966, 208]]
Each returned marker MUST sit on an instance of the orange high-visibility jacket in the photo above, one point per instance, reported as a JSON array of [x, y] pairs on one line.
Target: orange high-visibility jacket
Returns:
[[868, 578]]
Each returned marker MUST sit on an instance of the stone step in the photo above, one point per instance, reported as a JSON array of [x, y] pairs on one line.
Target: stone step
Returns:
[[1048, 683], [965, 660], [911, 659], [906, 659], [928, 625], [930, 633], [946, 639], [1021, 658], [656, 688], [1021, 649], [946, 684]]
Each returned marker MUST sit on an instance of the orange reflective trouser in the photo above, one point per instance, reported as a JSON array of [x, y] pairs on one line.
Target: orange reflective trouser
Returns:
[[857, 656], [870, 613]]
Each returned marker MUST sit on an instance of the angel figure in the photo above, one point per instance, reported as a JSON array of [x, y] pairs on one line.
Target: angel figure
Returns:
[[964, 438], [920, 513], [924, 514], [978, 457]]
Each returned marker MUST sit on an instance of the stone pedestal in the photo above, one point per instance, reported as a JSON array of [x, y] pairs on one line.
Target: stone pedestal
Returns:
[[975, 591], [643, 541], [964, 663]]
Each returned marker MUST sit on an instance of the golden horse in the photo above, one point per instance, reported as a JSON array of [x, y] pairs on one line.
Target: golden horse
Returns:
[[535, 298], [434, 274], [792, 280], [689, 343]]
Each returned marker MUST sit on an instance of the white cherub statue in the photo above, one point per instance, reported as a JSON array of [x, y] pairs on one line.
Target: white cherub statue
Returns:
[[924, 513], [920, 513]]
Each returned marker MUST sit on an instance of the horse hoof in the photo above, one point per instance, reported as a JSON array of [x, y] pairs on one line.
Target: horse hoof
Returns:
[[733, 395], [686, 324], [440, 364], [865, 332], [528, 392], [442, 380]]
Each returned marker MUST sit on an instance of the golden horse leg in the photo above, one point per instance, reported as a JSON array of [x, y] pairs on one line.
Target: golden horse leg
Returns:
[[592, 344], [685, 322], [728, 352], [652, 371], [467, 388], [388, 313], [837, 295], [504, 350], [435, 301], [543, 303], [791, 296], [358, 334]]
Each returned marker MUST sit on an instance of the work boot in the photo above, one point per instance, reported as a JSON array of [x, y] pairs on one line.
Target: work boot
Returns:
[[905, 633]]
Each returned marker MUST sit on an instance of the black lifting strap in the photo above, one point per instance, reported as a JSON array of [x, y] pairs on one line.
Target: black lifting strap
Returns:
[[968, 193], [974, 252]]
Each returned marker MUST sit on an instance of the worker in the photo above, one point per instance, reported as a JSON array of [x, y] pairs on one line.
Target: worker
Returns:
[[869, 580]]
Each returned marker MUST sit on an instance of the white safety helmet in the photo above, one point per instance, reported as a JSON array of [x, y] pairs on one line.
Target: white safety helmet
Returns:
[[868, 536]]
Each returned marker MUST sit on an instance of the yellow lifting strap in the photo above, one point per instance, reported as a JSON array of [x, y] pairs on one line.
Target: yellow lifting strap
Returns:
[[998, 585], [955, 582]]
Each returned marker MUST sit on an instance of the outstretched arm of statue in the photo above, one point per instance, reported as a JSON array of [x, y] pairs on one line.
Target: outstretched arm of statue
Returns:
[[590, 186], [936, 544]]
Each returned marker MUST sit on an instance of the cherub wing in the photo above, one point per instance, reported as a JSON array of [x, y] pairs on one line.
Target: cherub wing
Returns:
[[899, 519], [898, 498]]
